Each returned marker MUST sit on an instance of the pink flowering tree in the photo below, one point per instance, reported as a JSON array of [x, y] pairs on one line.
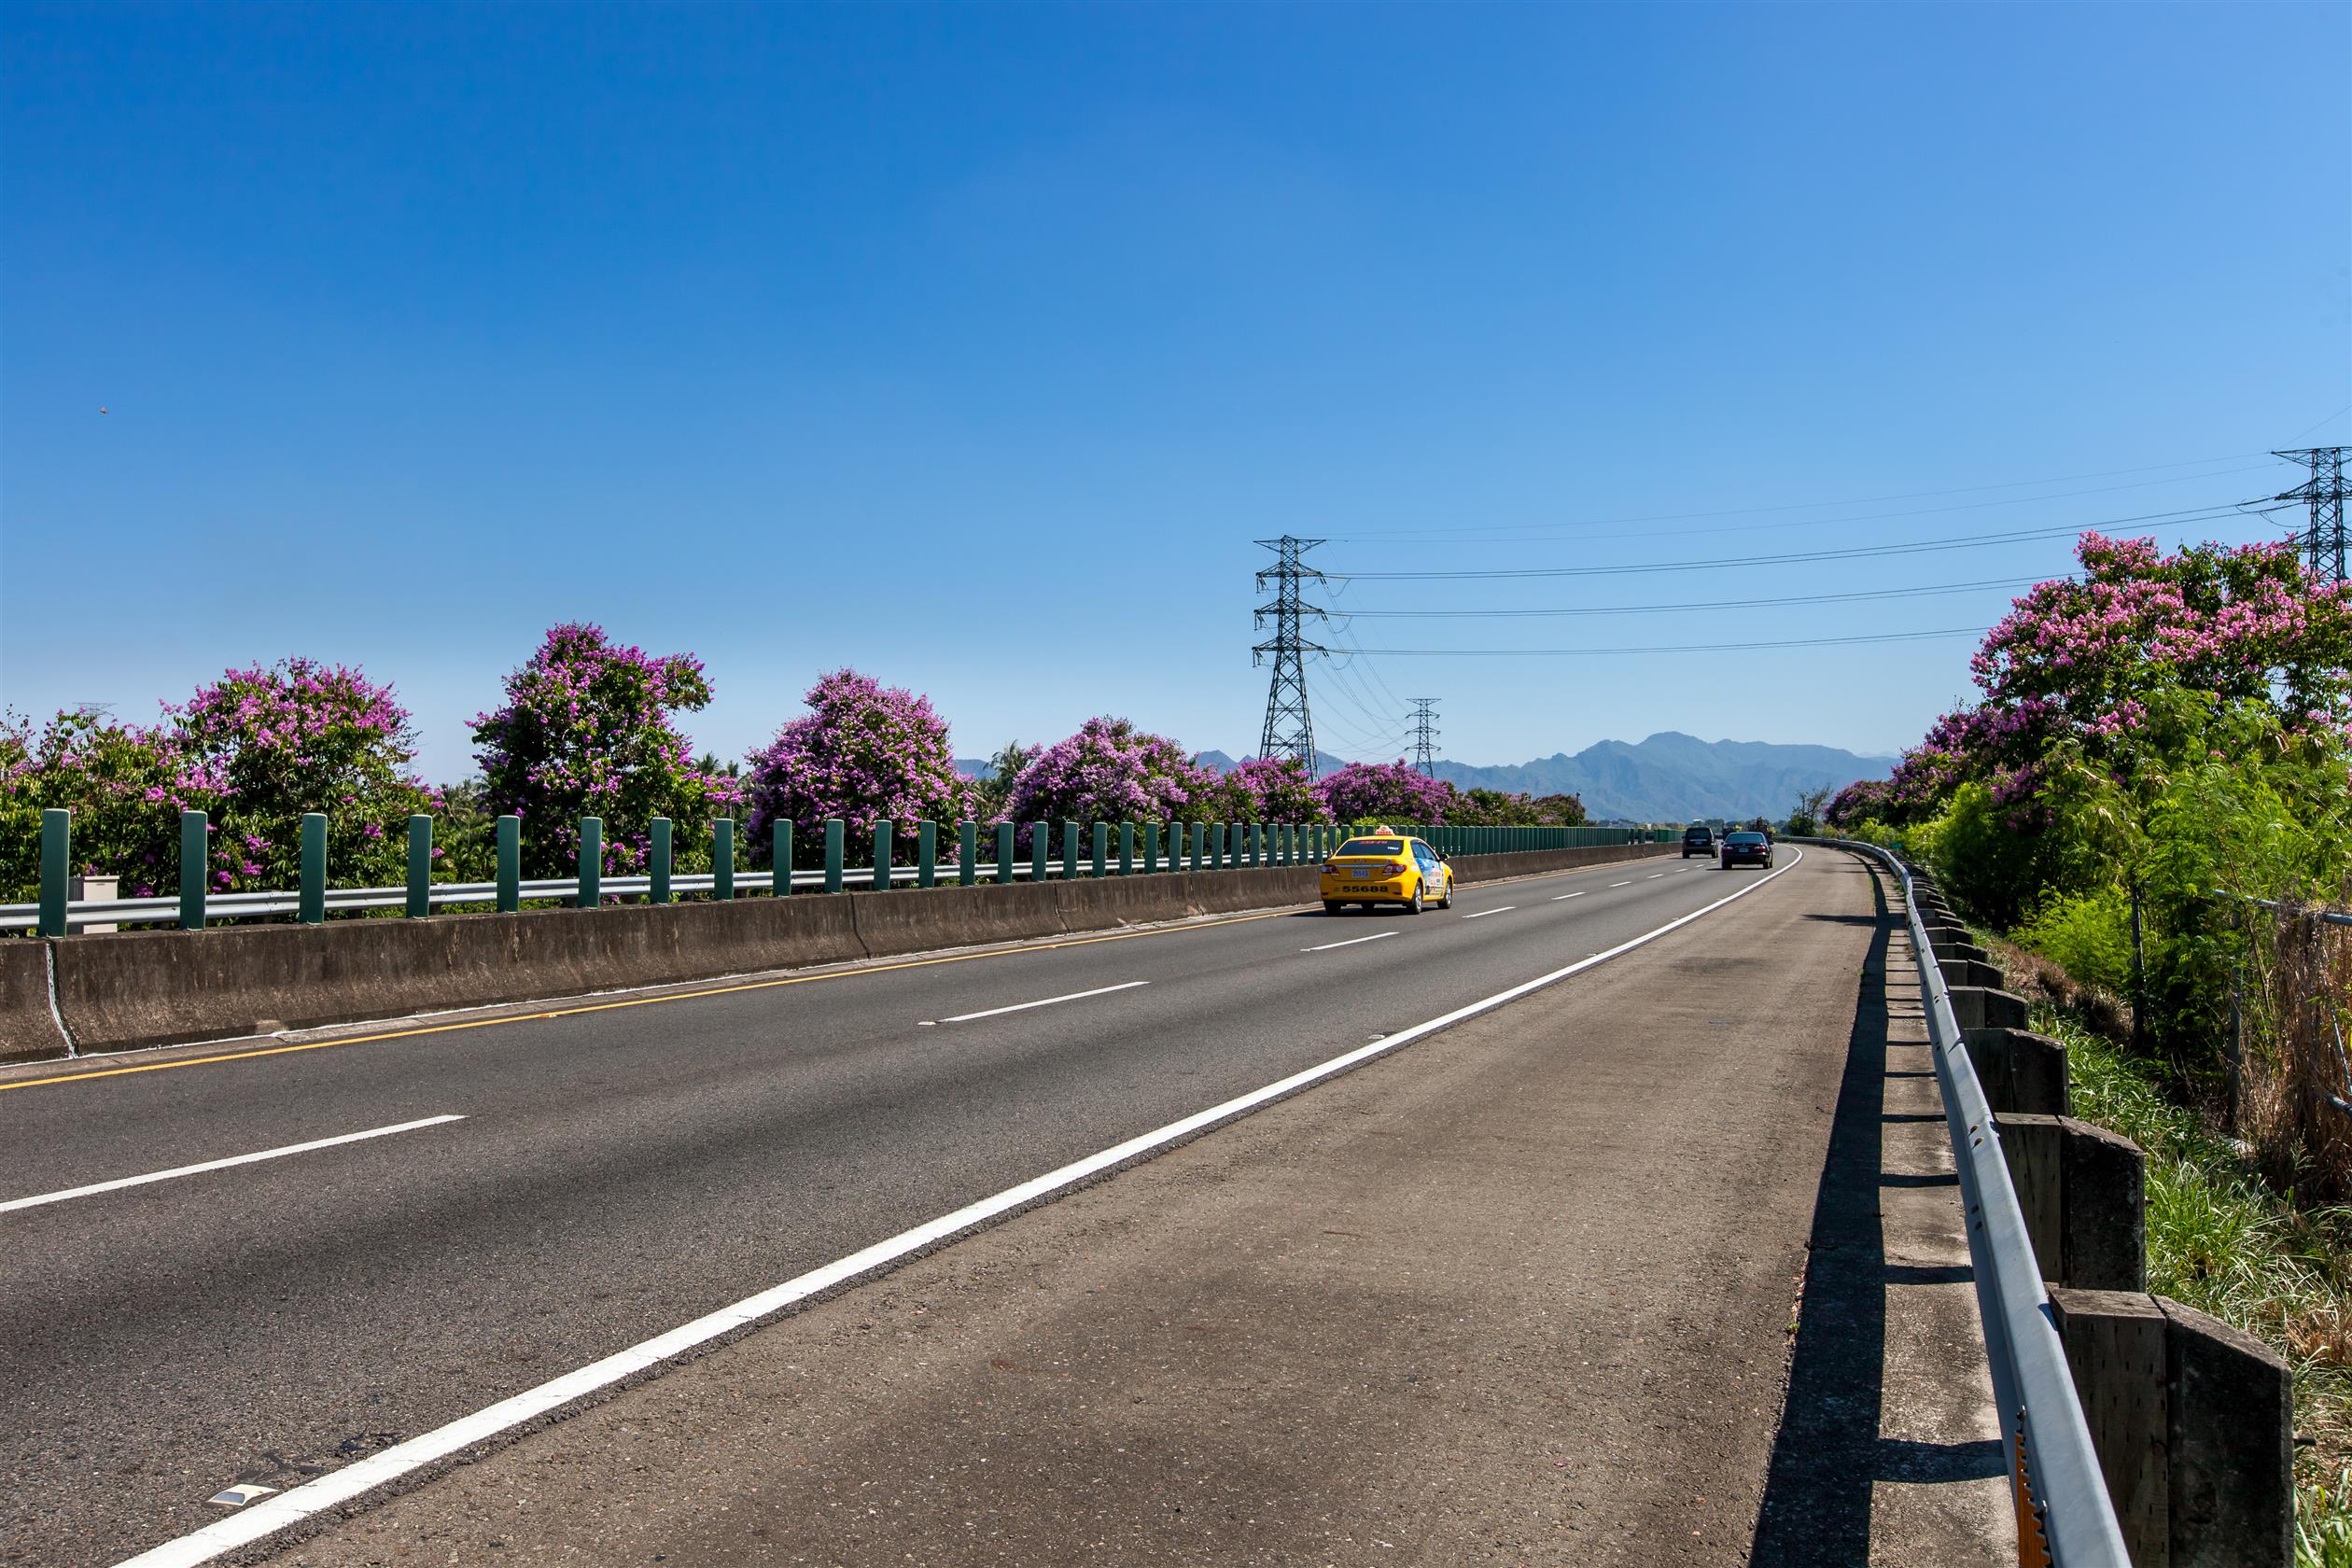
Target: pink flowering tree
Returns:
[[254, 751], [1389, 792], [1268, 789], [126, 787], [1111, 771], [293, 737], [589, 730], [866, 753]]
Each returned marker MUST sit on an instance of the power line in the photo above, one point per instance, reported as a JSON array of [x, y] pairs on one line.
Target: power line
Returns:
[[1861, 500], [1347, 615], [1963, 542], [1527, 532], [1673, 647], [1290, 731]]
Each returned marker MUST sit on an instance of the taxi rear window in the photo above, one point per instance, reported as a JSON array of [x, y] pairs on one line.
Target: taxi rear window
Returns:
[[1373, 847]]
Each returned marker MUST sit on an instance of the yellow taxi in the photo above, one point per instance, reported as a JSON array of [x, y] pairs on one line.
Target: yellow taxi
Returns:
[[1384, 867]]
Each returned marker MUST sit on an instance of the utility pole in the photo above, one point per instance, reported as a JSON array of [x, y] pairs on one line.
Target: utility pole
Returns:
[[2323, 543], [1424, 721], [1289, 731]]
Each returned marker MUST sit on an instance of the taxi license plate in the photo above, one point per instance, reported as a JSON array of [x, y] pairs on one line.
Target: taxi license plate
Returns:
[[1361, 873]]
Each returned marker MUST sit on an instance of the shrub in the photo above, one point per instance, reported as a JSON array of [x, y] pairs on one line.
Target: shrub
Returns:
[[1386, 791], [864, 753], [1268, 789], [587, 731], [2089, 935], [1111, 771]]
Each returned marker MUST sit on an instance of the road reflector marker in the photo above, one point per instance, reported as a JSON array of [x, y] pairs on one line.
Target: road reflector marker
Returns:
[[1044, 1002], [239, 1495]]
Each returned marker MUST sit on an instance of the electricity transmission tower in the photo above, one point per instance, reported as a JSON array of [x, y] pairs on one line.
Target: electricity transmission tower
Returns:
[[2323, 544], [1424, 719], [1289, 731]]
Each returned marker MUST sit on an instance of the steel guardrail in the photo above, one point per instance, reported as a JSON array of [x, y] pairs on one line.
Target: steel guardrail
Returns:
[[2064, 1516]]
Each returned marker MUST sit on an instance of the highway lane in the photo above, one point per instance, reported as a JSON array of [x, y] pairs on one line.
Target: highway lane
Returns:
[[621, 1171]]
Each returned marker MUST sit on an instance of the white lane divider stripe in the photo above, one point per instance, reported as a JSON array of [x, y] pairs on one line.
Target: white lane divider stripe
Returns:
[[1044, 1002], [1483, 913], [121, 1182], [297, 1504], [1578, 894], [1656, 875], [1349, 943], [1620, 884]]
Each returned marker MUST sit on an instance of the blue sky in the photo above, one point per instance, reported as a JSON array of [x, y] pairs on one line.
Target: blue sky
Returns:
[[974, 345]]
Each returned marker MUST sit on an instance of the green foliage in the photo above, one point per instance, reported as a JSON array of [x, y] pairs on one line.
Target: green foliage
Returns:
[[2089, 935], [587, 731], [2223, 1243], [126, 788]]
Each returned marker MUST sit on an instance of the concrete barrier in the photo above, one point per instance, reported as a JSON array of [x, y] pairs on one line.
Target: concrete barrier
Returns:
[[28, 1029], [141, 988], [155, 987], [923, 920]]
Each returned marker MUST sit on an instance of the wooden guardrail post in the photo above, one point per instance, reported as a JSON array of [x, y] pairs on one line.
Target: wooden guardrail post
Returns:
[[2193, 1424]]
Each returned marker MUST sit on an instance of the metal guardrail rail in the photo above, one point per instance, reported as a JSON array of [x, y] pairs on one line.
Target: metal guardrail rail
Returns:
[[231, 906], [2064, 1516]]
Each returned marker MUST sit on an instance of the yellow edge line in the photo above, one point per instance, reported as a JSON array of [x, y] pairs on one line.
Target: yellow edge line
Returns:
[[632, 1002]]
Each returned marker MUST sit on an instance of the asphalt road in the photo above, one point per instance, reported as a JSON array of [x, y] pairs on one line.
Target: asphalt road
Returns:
[[619, 1172]]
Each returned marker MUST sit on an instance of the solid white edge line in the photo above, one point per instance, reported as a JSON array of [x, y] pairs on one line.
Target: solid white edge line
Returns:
[[312, 1497], [1505, 910], [117, 1185], [1349, 943], [1045, 1001]]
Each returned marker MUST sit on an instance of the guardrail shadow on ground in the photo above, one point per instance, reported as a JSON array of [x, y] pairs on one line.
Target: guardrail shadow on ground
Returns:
[[1827, 1454]]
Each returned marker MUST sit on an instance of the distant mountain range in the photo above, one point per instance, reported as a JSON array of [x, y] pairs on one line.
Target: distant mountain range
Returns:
[[1669, 778]]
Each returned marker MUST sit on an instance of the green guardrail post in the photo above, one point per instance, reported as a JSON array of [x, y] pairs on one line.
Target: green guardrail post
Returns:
[[926, 853], [658, 872], [880, 881], [1126, 849], [57, 868], [780, 858], [310, 906], [1101, 849], [420, 867], [967, 853], [195, 860], [509, 835], [835, 840], [1004, 851], [1151, 847], [1040, 848], [1070, 852], [723, 857], [591, 869], [1200, 845]]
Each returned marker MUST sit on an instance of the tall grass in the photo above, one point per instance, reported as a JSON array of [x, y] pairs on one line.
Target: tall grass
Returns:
[[2222, 1241]]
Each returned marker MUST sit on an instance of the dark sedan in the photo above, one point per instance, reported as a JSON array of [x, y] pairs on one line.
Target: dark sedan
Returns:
[[1746, 849]]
